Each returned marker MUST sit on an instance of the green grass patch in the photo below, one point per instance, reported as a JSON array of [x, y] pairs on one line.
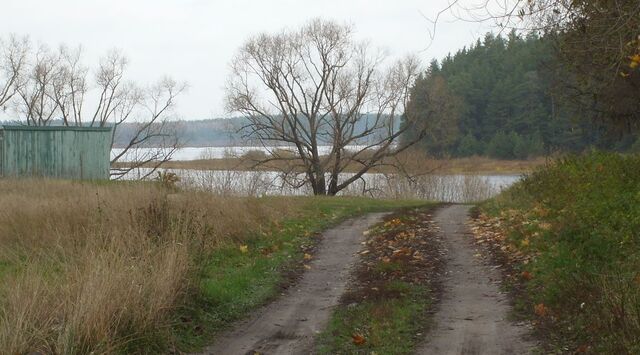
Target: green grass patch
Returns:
[[387, 326], [385, 310], [580, 220], [237, 278]]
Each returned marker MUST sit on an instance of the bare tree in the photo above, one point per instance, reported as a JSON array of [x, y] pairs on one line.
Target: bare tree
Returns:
[[318, 86], [159, 136], [13, 56], [117, 97], [35, 88], [69, 85], [52, 87]]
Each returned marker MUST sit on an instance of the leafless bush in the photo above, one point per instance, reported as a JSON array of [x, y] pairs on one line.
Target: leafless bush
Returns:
[[446, 188], [231, 182]]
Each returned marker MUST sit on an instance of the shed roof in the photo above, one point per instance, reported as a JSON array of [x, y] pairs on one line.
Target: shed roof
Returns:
[[54, 128]]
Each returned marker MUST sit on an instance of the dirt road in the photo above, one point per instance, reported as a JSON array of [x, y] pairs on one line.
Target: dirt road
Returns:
[[472, 316], [289, 325]]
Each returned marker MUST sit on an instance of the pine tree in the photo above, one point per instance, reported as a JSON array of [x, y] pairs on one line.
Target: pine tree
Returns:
[[506, 85]]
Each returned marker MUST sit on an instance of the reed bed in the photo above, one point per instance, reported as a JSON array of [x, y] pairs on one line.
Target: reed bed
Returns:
[[444, 188]]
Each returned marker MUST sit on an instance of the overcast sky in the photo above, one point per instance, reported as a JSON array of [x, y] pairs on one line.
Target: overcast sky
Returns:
[[194, 40]]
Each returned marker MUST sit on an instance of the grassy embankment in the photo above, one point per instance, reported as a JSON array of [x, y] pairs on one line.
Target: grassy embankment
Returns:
[[413, 162], [133, 267], [575, 228], [385, 310]]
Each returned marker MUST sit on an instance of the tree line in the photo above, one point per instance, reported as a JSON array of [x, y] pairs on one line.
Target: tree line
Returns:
[[509, 104]]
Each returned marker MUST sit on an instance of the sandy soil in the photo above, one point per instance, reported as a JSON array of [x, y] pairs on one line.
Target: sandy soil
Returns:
[[290, 324], [472, 315]]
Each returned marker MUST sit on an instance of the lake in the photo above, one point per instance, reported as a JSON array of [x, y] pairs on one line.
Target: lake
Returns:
[[444, 188], [437, 187], [197, 153]]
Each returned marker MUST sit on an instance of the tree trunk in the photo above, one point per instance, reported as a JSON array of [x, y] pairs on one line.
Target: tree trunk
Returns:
[[319, 185], [333, 184]]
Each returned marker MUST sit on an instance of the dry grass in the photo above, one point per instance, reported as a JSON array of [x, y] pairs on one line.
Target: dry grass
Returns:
[[90, 269], [414, 162], [461, 189]]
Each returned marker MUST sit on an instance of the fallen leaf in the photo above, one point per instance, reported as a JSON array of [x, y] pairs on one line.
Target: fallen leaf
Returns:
[[307, 256], [540, 310], [582, 349], [307, 267], [358, 339], [244, 249], [526, 275]]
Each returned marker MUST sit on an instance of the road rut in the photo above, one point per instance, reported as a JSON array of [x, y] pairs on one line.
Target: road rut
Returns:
[[290, 324], [472, 316]]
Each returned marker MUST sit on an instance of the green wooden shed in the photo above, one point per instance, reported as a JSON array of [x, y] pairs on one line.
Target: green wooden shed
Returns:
[[55, 151]]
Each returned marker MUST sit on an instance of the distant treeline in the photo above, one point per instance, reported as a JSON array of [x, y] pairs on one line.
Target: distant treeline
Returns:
[[216, 132], [508, 103], [219, 132], [200, 133]]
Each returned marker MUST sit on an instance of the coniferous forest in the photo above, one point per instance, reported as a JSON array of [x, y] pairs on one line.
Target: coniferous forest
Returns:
[[508, 100]]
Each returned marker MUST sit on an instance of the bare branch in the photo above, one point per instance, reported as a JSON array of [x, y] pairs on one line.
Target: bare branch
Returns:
[[13, 58]]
